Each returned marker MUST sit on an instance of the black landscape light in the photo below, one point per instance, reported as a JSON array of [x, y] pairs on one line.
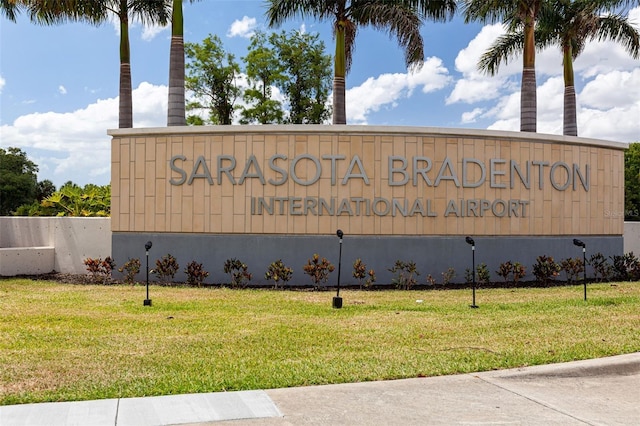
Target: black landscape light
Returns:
[[147, 247], [470, 241], [337, 300], [577, 242]]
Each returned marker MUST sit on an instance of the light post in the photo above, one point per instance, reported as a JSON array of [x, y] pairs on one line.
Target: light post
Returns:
[[470, 241], [337, 300], [577, 242], [147, 247]]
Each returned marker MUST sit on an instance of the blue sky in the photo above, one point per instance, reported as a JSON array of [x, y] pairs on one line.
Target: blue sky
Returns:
[[59, 84]]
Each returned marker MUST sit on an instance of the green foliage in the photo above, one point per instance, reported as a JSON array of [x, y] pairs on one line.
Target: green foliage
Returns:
[[318, 269], [166, 268], [278, 271], [212, 77], [18, 180], [545, 269], [515, 270], [238, 272], [626, 267], [484, 276], [100, 269], [131, 268], [448, 276], [406, 273], [196, 274], [73, 200], [632, 182], [602, 269], [306, 75], [365, 278], [573, 267]]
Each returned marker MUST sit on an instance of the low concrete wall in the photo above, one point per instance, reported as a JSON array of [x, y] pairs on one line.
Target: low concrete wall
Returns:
[[73, 238], [632, 237], [34, 245]]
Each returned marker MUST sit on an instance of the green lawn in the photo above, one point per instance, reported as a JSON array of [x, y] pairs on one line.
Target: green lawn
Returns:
[[70, 342]]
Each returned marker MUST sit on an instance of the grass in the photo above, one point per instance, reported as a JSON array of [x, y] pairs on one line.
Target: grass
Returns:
[[67, 342]]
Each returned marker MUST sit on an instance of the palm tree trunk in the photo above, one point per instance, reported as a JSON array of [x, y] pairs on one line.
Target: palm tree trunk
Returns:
[[528, 94], [176, 107], [339, 81], [125, 112], [570, 124], [528, 101]]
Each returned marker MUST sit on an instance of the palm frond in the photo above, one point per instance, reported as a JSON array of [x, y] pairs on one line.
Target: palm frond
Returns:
[[501, 51]]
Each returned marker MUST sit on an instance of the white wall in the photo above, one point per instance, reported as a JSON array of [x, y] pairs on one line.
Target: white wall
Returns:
[[74, 239], [632, 237]]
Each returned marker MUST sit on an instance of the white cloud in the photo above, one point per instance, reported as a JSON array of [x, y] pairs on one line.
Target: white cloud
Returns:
[[149, 32], [242, 28], [77, 141], [2, 83], [62, 90], [388, 89], [471, 116]]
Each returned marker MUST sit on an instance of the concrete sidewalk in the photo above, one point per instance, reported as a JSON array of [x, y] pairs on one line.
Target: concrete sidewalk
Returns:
[[603, 391]]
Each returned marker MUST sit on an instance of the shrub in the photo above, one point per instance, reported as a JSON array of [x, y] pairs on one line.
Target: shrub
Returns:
[[484, 276], [545, 269], [504, 270], [278, 271], [166, 268], [195, 273], [238, 272], [431, 280], [448, 276], [406, 273], [519, 271], [602, 269], [573, 268], [99, 268], [132, 268], [363, 276], [626, 267], [318, 269]]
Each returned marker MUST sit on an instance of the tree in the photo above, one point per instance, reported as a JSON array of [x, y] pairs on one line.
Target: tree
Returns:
[[632, 182], [263, 72], [570, 24], [176, 99], [306, 76], [516, 14], [212, 78], [44, 189], [96, 12], [18, 180], [401, 18]]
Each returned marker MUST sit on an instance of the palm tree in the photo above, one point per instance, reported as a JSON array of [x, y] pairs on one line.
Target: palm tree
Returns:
[[176, 108], [569, 24], [96, 12], [516, 14], [401, 18]]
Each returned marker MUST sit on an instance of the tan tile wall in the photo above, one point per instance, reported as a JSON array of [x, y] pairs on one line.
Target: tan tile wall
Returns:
[[143, 200]]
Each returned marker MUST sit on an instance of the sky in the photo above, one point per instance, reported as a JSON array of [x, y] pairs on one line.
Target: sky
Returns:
[[59, 84]]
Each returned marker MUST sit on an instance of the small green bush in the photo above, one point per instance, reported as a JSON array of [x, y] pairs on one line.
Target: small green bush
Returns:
[[573, 267], [546, 269], [196, 274], [406, 273], [318, 269], [238, 272], [132, 268], [278, 271], [365, 278], [166, 268]]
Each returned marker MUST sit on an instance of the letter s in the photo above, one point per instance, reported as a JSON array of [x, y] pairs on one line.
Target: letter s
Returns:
[[182, 173]]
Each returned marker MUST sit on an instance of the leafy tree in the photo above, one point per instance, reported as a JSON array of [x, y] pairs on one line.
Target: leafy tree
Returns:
[[401, 18], [263, 72], [632, 182], [569, 24], [176, 106], [307, 74], [212, 78], [18, 180], [517, 14], [44, 189], [72, 200]]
